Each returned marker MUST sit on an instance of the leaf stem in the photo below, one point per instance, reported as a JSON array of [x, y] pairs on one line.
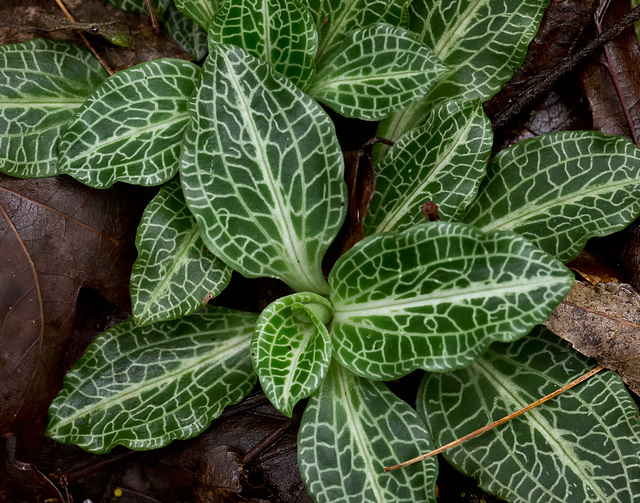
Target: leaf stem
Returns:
[[505, 419], [84, 39]]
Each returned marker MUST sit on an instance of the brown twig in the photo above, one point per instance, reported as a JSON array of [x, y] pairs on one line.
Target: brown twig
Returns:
[[496, 423], [155, 26], [522, 103], [84, 39]]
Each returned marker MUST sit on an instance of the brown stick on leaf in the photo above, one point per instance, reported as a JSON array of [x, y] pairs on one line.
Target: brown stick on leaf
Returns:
[[505, 419]]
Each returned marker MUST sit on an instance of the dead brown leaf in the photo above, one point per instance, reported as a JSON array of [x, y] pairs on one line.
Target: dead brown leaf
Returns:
[[56, 236], [603, 322]]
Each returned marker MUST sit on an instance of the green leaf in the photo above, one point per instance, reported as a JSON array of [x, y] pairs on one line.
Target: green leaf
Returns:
[[443, 161], [143, 387], [351, 429], [560, 189], [262, 171], [436, 296], [174, 274], [280, 32], [130, 128], [42, 84], [189, 34], [482, 42], [200, 11], [335, 19], [140, 6], [378, 70], [291, 348], [580, 447]]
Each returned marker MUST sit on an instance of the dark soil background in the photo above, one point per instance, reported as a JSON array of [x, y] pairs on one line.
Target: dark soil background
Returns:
[[249, 453]]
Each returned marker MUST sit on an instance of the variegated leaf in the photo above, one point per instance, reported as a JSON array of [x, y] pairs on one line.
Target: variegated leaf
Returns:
[[174, 274], [280, 32], [482, 42], [140, 6], [436, 296], [335, 19], [291, 348], [351, 429], [378, 70], [200, 11], [262, 171], [131, 126], [189, 34], [143, 387], [42, 84], [580, 447], [560, 189], [443, 161]]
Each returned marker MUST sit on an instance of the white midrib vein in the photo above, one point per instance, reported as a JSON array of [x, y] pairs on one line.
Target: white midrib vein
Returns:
[[359, 79], [334, 28], [542, 426], [511, 220], [445, 46], [231, 347], [286, 230], [389, 306], [297, 355], [356, 433], [399, 211]]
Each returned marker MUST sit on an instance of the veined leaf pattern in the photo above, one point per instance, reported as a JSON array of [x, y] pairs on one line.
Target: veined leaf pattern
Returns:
[[130, 128], [280, 32], [443, 161], [189, 34], [560, 189], [378, 70], [143, 387], [351, 429], [436, 296], [201, 11], [291, 348], [140, 6], [482, 42], [42, 84], [262, 171], [334, 19], [580, 447], [174, 274]]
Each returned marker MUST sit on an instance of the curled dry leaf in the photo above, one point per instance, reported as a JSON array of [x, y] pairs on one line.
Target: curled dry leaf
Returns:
[[603, 322]]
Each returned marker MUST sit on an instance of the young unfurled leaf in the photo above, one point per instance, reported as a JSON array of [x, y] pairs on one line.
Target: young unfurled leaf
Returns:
[[481, 42], [603, 322], [262, 171], [142, 387], [280, 32], [581, 446], [291, 348], [174, 274], [351, 429], [201, 11], [335, 19], [443, 161], [560, 189], [436, 296], [131, 126], [42, 84], [378, 70]]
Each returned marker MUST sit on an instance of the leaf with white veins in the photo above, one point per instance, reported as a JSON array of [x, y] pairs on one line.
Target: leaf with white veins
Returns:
[[351, 429], [262, 171], [378, 70], [174, 274], [42, 84], [143, 387], [560, 189], [436, 296], [291, 348]]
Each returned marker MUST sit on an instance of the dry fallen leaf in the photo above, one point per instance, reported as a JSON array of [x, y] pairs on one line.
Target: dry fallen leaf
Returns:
[[603, 322]]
